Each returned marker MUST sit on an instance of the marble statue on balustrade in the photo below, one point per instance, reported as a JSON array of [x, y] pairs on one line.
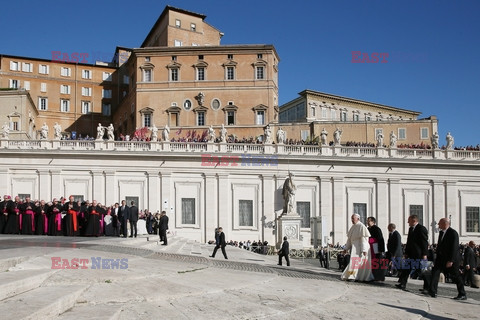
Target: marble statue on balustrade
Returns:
[[57, 131], [154, 135], [281, 136], [323, 137], [100, 131], [211, 134], [337, 136], [449, 141], [5, 131], [44, 132], [288, 193], [268, 135], [166, 134], [435, 139], [380, 138], [393, 140], [110, 130], [223, 134]]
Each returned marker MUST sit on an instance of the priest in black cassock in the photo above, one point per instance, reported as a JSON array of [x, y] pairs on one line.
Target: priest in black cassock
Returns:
[[93, 216], [54, 213], [4, 207], [27, 217], [377, 249], [41, 220], [71, 223], [13, 217]]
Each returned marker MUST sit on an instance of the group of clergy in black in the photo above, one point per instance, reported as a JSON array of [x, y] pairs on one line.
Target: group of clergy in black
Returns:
[[62, 218]]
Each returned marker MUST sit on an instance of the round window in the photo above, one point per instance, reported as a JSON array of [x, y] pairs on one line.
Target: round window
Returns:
[[187, 105], [215, 104]]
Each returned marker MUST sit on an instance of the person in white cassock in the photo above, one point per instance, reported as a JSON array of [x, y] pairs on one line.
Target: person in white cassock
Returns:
[[359, 268]]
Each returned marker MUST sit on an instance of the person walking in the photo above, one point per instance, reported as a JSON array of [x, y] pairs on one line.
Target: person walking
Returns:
[[163, 227], [447, 260], [284, 251], [221, 243], [133, 219]]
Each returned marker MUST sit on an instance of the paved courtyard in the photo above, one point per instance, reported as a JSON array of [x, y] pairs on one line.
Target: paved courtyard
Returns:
[[145, 280]]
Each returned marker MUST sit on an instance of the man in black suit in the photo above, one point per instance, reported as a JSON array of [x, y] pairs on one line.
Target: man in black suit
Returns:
[[284, 251], [394, 246], [163, 227], [133, 219], [470, 264], [123, 216], [221, 243], [321, 258], [448, 259], [415, 252]]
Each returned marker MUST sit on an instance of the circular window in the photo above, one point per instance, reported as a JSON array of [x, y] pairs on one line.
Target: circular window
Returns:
[[215, 104], [187, 105]]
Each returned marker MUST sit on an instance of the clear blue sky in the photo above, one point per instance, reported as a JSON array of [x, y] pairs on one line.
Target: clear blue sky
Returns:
[[433, 45]]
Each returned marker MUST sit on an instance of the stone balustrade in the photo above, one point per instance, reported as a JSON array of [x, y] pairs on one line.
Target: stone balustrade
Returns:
[[238, 148]]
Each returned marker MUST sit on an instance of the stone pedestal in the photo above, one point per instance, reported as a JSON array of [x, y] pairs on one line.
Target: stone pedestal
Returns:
[[289, 225]]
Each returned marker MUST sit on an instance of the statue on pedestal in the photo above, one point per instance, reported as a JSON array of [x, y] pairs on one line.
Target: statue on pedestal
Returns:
[[337, 136], [323, 137], [281, 136], [380, 140], [44, 132], [393, 140], [154, 135], [211, 134], [5, 130], [449, 141], [166, 134], [100, 131], [223, 134], [268, 135], [435, 139], [110, 129], [288, 193], [57, 131]]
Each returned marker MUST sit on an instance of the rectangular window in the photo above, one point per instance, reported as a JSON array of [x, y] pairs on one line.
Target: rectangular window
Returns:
[[86, 92], [42, 103], [230, 73], [259, 56], [178, 43], [26, 85], [193, 27], [174, 74], [64, 105], [147, 75], [86, 107], [65, 72], [65, 89], [174, 58], [106, 93], [304, 134], [343, 116], [107, 76], [356, 117], [27, 67], [14, 84], [303, 210], [43, 87], [147, 119], [86, 74], [201, 118], [200, 74], [324, 113], [14, 65], [260, 117], [188, 210], [259, 73], [106, 109], [178, 23], [423, 133], [361, 209], [245, 213], [43, 69], [473, 219], [15, 125], [402, 133], [417, 209], [230, 56], [333, 114], [230, 118]]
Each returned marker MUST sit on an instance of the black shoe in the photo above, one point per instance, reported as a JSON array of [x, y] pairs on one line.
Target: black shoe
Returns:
[[400, 286], [131, 237], [278, 264], [433, 295], [474, 286], [226, 258], [459, 297]]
